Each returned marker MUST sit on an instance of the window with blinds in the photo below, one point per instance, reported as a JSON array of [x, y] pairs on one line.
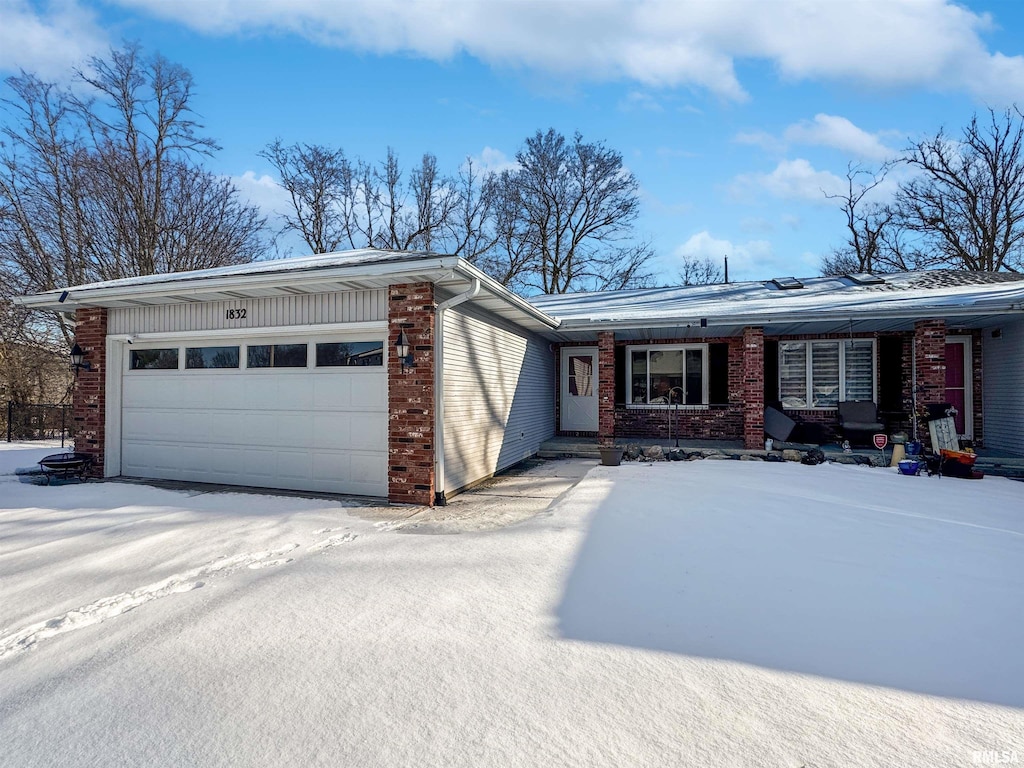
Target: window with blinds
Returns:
[[820, 374]]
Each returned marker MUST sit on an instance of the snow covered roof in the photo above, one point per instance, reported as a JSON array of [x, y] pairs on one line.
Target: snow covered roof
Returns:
[[782, 305], [322, 273], [935, 293]]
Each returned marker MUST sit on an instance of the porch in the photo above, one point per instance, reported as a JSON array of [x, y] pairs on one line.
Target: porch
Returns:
[[990, 461]]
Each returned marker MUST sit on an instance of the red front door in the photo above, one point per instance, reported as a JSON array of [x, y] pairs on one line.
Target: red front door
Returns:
[[958, 383]]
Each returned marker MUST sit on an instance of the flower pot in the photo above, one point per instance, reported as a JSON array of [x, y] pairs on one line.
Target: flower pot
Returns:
[[611, 455]]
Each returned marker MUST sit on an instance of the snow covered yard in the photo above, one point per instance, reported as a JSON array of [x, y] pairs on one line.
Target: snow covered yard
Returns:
[[698, 614]]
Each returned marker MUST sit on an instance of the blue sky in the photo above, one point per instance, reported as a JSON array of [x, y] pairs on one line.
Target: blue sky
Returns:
[[733, 115]]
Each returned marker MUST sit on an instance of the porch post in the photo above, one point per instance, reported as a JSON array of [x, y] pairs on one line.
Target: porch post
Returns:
[[753, 388], [606, 388], [930, 366], [89, 398]]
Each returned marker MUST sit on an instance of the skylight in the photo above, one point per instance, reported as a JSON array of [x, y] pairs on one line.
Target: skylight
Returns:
[[864, 278], [787, 283]]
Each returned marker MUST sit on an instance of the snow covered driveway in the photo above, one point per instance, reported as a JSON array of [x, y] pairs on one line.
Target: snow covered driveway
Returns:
[[707, 613]]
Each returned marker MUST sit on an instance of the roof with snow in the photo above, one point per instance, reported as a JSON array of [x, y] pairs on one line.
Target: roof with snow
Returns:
[[885, 302], [863, 302]]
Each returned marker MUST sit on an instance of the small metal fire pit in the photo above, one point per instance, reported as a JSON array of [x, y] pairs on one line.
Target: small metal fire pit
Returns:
[[65, 465]]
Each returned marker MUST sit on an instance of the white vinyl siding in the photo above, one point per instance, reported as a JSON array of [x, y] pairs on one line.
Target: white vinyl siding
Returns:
[[1003, 366], [499, 385], [278, 311]]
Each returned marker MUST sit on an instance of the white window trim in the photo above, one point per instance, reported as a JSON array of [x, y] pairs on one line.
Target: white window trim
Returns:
[[704, 396], [182, 343], [808, 369]]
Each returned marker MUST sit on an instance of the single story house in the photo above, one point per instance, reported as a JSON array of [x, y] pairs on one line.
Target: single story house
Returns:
[[412, 375]]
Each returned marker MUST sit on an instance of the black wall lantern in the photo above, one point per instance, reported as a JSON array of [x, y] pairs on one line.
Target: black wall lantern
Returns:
[[78, 361], [404, 351]]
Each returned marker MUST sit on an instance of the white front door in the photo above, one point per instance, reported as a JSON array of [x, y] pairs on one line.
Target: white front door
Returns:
[[579, 389]]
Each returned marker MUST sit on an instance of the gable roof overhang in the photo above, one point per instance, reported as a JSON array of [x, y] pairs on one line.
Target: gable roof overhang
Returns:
[[325, 273]]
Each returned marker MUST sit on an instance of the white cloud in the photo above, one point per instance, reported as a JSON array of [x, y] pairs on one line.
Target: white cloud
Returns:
[[491, 160], [791, 180], [934, 44], [49, 43], [640, 100], [262, 191], [751, 260], [838, 133]]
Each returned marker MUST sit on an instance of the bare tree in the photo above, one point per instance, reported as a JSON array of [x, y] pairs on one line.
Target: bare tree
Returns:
[[967, 201], [569, 211], [319, 183], [107, 185], [866, 221], [698, 271]]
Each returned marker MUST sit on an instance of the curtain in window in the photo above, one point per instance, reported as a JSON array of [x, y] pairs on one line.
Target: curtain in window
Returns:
[[581, 375]]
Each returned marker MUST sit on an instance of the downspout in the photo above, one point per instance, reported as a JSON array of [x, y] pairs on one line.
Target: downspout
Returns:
[[439, 484]]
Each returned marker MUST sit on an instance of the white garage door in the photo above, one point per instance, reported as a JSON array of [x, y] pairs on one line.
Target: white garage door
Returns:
[[296, 413]]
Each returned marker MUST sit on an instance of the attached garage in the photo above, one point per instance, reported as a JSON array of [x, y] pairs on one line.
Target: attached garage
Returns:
[[323, 373], [303, 412]]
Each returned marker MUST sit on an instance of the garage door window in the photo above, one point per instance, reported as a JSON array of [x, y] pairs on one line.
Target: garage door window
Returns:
[[211, 357], [154, 359], [276, 356], [358, 353]]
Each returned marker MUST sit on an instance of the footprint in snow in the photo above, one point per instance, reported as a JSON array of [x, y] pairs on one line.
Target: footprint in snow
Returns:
[[270, 563], [333, 541]]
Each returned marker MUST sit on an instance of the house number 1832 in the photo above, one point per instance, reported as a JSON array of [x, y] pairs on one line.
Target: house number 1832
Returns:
[[234, 314]]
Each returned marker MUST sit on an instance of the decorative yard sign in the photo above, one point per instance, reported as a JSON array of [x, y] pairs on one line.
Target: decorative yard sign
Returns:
[[880, 442]]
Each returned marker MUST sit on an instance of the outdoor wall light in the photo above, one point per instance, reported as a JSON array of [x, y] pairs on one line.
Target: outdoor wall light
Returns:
[[78, 361], [404, 351]]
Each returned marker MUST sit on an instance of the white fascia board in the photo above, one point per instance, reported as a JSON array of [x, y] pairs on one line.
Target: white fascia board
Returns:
[[495, 288], [198, 287], [802, 317]]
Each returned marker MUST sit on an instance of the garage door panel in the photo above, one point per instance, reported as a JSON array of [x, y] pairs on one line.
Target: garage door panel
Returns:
[[307, 429], [295, 430], [368, 393], [294, 465], [258, 428], [260, 392], [332, 392], [332, 430], [332, 467], [370, 430]]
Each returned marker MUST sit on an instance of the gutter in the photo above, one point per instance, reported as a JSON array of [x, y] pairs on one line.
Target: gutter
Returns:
[[569, 325], [439, 484]]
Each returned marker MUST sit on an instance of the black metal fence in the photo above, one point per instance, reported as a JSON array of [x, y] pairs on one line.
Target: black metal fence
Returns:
[[37, 421]]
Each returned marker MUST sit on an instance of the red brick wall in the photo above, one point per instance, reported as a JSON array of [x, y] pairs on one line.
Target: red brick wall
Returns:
[[930, 357], [606, 387], [89, 405], [411, 307], [753, 387]]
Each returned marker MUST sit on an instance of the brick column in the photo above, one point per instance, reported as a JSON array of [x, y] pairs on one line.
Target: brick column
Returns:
[[606, 388], [411, 308], [930, 363], [753, 388], [88, 403]]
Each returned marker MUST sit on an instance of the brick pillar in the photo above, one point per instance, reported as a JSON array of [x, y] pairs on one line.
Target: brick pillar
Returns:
[[606, 388], [88, 403], [930, 363], [411, 308], [753, 388]]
